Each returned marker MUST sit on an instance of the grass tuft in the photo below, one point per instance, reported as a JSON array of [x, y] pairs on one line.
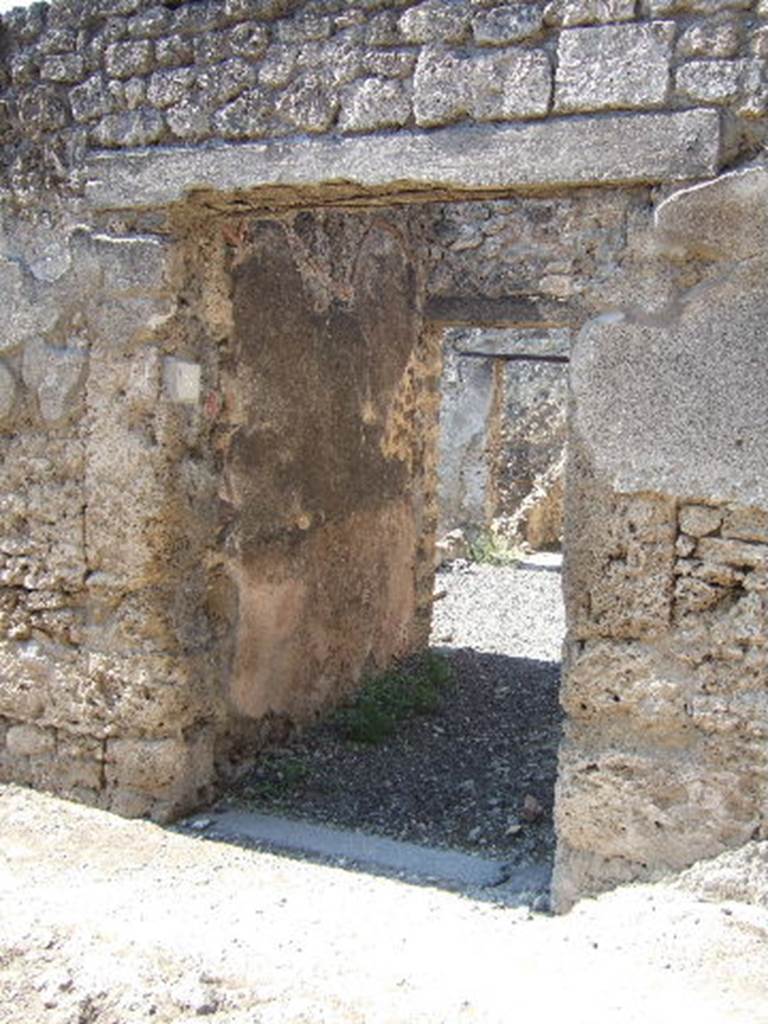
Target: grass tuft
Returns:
[[413, 688]]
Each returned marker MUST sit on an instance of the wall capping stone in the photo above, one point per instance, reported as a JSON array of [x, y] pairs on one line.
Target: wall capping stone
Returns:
[[607, 149]]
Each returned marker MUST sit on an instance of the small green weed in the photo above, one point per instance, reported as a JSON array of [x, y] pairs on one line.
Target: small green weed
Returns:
[[494, 549], [278, 776], [413, 688]]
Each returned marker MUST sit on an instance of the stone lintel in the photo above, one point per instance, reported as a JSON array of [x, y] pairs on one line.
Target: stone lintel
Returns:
[[510, 342], [603, 149]]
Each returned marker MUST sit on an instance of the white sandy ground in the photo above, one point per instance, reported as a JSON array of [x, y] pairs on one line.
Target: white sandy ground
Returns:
[[105, 920]]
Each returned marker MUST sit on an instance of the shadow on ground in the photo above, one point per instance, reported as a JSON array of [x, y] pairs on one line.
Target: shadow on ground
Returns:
[[476, 775]]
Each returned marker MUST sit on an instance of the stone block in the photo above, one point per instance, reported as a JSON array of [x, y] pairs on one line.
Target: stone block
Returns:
[[717, 37], [7, 391], [182, 381], [615, 66], [510, 23], [441, 93], [174, 51], [759, 42], [161, 768], [508, 85], [307, 104], [54, 375], [653, 147], [124, 60], [389, 63], [732, 552], [29, 741], [189, 120], [511, 85], [170, 86], [131, 128], [699, 520], [725, 218], [137, 266], [30, 311], [91, 100], [374, 103], [149, 23], [570, 13], [746, 524], [709, 81], [246, 117], [249, 41], [64, 68], [445, 21]]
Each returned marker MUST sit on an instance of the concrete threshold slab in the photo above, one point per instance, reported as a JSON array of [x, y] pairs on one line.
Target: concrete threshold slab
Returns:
[[421, 863]]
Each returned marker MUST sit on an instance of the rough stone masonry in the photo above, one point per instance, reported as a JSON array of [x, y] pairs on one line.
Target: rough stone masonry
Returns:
[[234, 237]]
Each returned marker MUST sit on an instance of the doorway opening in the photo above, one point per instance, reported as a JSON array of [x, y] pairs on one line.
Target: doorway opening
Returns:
[[337, 476]]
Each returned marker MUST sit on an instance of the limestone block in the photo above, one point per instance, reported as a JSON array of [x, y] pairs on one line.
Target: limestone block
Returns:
[[510, 85], [130, 128], [374, 103], [54, 375], [619, 66], [307, 104], [746, 524], [278, 66], [507, 85], [718, 37], [706, 360], [510, 23], [732, 552], [182, 381], [29, 311], [653, 147], [440, 91], [246, 117], [709, 81], [29, 741], [7, 391], [699, 520], [723, 218], [173, 51], [163, 768], [138, 265], [124, 60], [169, 86], [444, 21], [64, 68], [570, 13], [189, 120], [91, 100]]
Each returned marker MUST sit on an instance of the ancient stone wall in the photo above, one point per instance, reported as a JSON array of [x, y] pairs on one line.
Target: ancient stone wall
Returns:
[[500, 166], [126, 73], [664, 759], [502, 439]]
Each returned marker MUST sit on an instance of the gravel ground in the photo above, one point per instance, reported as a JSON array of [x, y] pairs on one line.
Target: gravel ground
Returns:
[[476, 775], [107, 921]]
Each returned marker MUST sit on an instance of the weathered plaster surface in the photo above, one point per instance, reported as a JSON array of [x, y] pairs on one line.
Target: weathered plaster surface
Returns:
[[664, 758]]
